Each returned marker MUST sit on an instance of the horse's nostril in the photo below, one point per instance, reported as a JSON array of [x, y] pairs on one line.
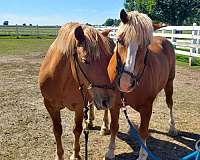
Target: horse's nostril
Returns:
[[133, 83]]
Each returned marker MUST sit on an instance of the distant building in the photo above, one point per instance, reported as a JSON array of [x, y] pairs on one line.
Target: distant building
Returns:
[[5, 23]]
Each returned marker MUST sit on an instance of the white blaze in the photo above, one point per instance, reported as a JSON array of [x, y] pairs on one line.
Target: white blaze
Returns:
[[131, 56]]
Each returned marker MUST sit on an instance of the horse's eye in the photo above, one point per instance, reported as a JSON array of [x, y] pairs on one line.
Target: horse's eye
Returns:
[[121, 41]]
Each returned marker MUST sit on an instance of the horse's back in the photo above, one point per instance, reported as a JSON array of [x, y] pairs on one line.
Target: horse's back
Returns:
[[162, 48]]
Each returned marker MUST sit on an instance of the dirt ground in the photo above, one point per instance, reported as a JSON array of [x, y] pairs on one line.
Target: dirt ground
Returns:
[[26, 128]]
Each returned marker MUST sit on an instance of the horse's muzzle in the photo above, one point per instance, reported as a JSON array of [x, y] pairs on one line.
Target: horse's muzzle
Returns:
[[127, 83]]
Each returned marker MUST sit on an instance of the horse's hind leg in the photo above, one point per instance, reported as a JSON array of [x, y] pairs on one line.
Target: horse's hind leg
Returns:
[[57, 129], [104, 127], [169, 92], [77, 132], [145, 115]]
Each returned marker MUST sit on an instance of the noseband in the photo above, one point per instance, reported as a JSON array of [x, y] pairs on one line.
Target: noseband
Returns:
[[120, 69]]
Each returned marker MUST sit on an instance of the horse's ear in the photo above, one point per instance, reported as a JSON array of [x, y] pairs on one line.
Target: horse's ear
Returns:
[[106, 32], [79, 34], [124, 16], [158, 26]]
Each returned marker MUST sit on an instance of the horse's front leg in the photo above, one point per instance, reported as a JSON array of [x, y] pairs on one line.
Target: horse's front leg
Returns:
[[77, 132], [145, 116], [91, 115], [57, 128], [104, 128], [114, 126]]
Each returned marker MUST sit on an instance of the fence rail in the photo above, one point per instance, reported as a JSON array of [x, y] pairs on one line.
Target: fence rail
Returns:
[[186, 39], [19, 30]]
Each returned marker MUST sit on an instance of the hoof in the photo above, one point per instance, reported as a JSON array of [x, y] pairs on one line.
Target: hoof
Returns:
[[75, 157], [104, 131], [173, 132], [141, 158], [59, 158], [90, 125], [109, 156]]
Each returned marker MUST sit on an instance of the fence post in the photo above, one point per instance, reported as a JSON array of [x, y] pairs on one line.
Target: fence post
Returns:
[[173, 39], [192, 49], [17, 31], [163, 31], [31, 30], [198, 43], [57, 29], [37, 31]]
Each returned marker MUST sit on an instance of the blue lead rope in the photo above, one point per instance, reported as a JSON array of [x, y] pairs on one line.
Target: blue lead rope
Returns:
[[195, 154], [136, 136]]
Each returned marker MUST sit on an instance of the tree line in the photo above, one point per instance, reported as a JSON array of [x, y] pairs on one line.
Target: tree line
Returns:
[[171, 12]]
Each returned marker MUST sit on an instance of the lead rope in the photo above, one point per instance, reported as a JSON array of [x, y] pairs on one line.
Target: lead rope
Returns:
[[85, 109], [134, 133]]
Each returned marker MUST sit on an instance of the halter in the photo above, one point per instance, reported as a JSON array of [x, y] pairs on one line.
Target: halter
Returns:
[[120, 68], [91, 85], [85, 102]]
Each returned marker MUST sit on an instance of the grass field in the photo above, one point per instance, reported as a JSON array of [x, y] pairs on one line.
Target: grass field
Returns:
[[23, 46]]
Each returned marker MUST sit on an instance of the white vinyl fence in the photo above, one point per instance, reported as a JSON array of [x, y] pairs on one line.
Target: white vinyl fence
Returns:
[[186, 39]]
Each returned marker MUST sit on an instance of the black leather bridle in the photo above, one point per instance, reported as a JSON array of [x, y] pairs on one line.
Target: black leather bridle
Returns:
[[120, 69]]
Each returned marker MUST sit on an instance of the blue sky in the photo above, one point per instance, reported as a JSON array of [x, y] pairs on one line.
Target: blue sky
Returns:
[[58, 12]]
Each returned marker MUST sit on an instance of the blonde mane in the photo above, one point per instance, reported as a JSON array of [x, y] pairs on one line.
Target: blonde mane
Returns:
[[138, 29], [95, 45]]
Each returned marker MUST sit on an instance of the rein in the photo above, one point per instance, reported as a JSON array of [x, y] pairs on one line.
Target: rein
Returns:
[[85, 101], [120, 68]]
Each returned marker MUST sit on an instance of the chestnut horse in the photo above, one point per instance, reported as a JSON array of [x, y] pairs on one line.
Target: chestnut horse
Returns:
[[77, 58], [141, 66]]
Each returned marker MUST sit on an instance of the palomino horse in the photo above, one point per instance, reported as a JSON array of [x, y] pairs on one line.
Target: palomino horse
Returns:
[[141, 66], [78, 58]]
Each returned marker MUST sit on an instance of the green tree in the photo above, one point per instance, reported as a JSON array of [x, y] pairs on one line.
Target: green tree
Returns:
[[109, 22], [173, 12], [117, 22], [144, 6]]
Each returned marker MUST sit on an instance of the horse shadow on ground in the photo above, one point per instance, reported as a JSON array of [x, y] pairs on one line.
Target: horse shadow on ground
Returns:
[[163, 149]]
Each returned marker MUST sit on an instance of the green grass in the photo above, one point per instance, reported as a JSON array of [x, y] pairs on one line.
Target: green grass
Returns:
[[186, 65], [28, 37], [23, 46], [185, 59]]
